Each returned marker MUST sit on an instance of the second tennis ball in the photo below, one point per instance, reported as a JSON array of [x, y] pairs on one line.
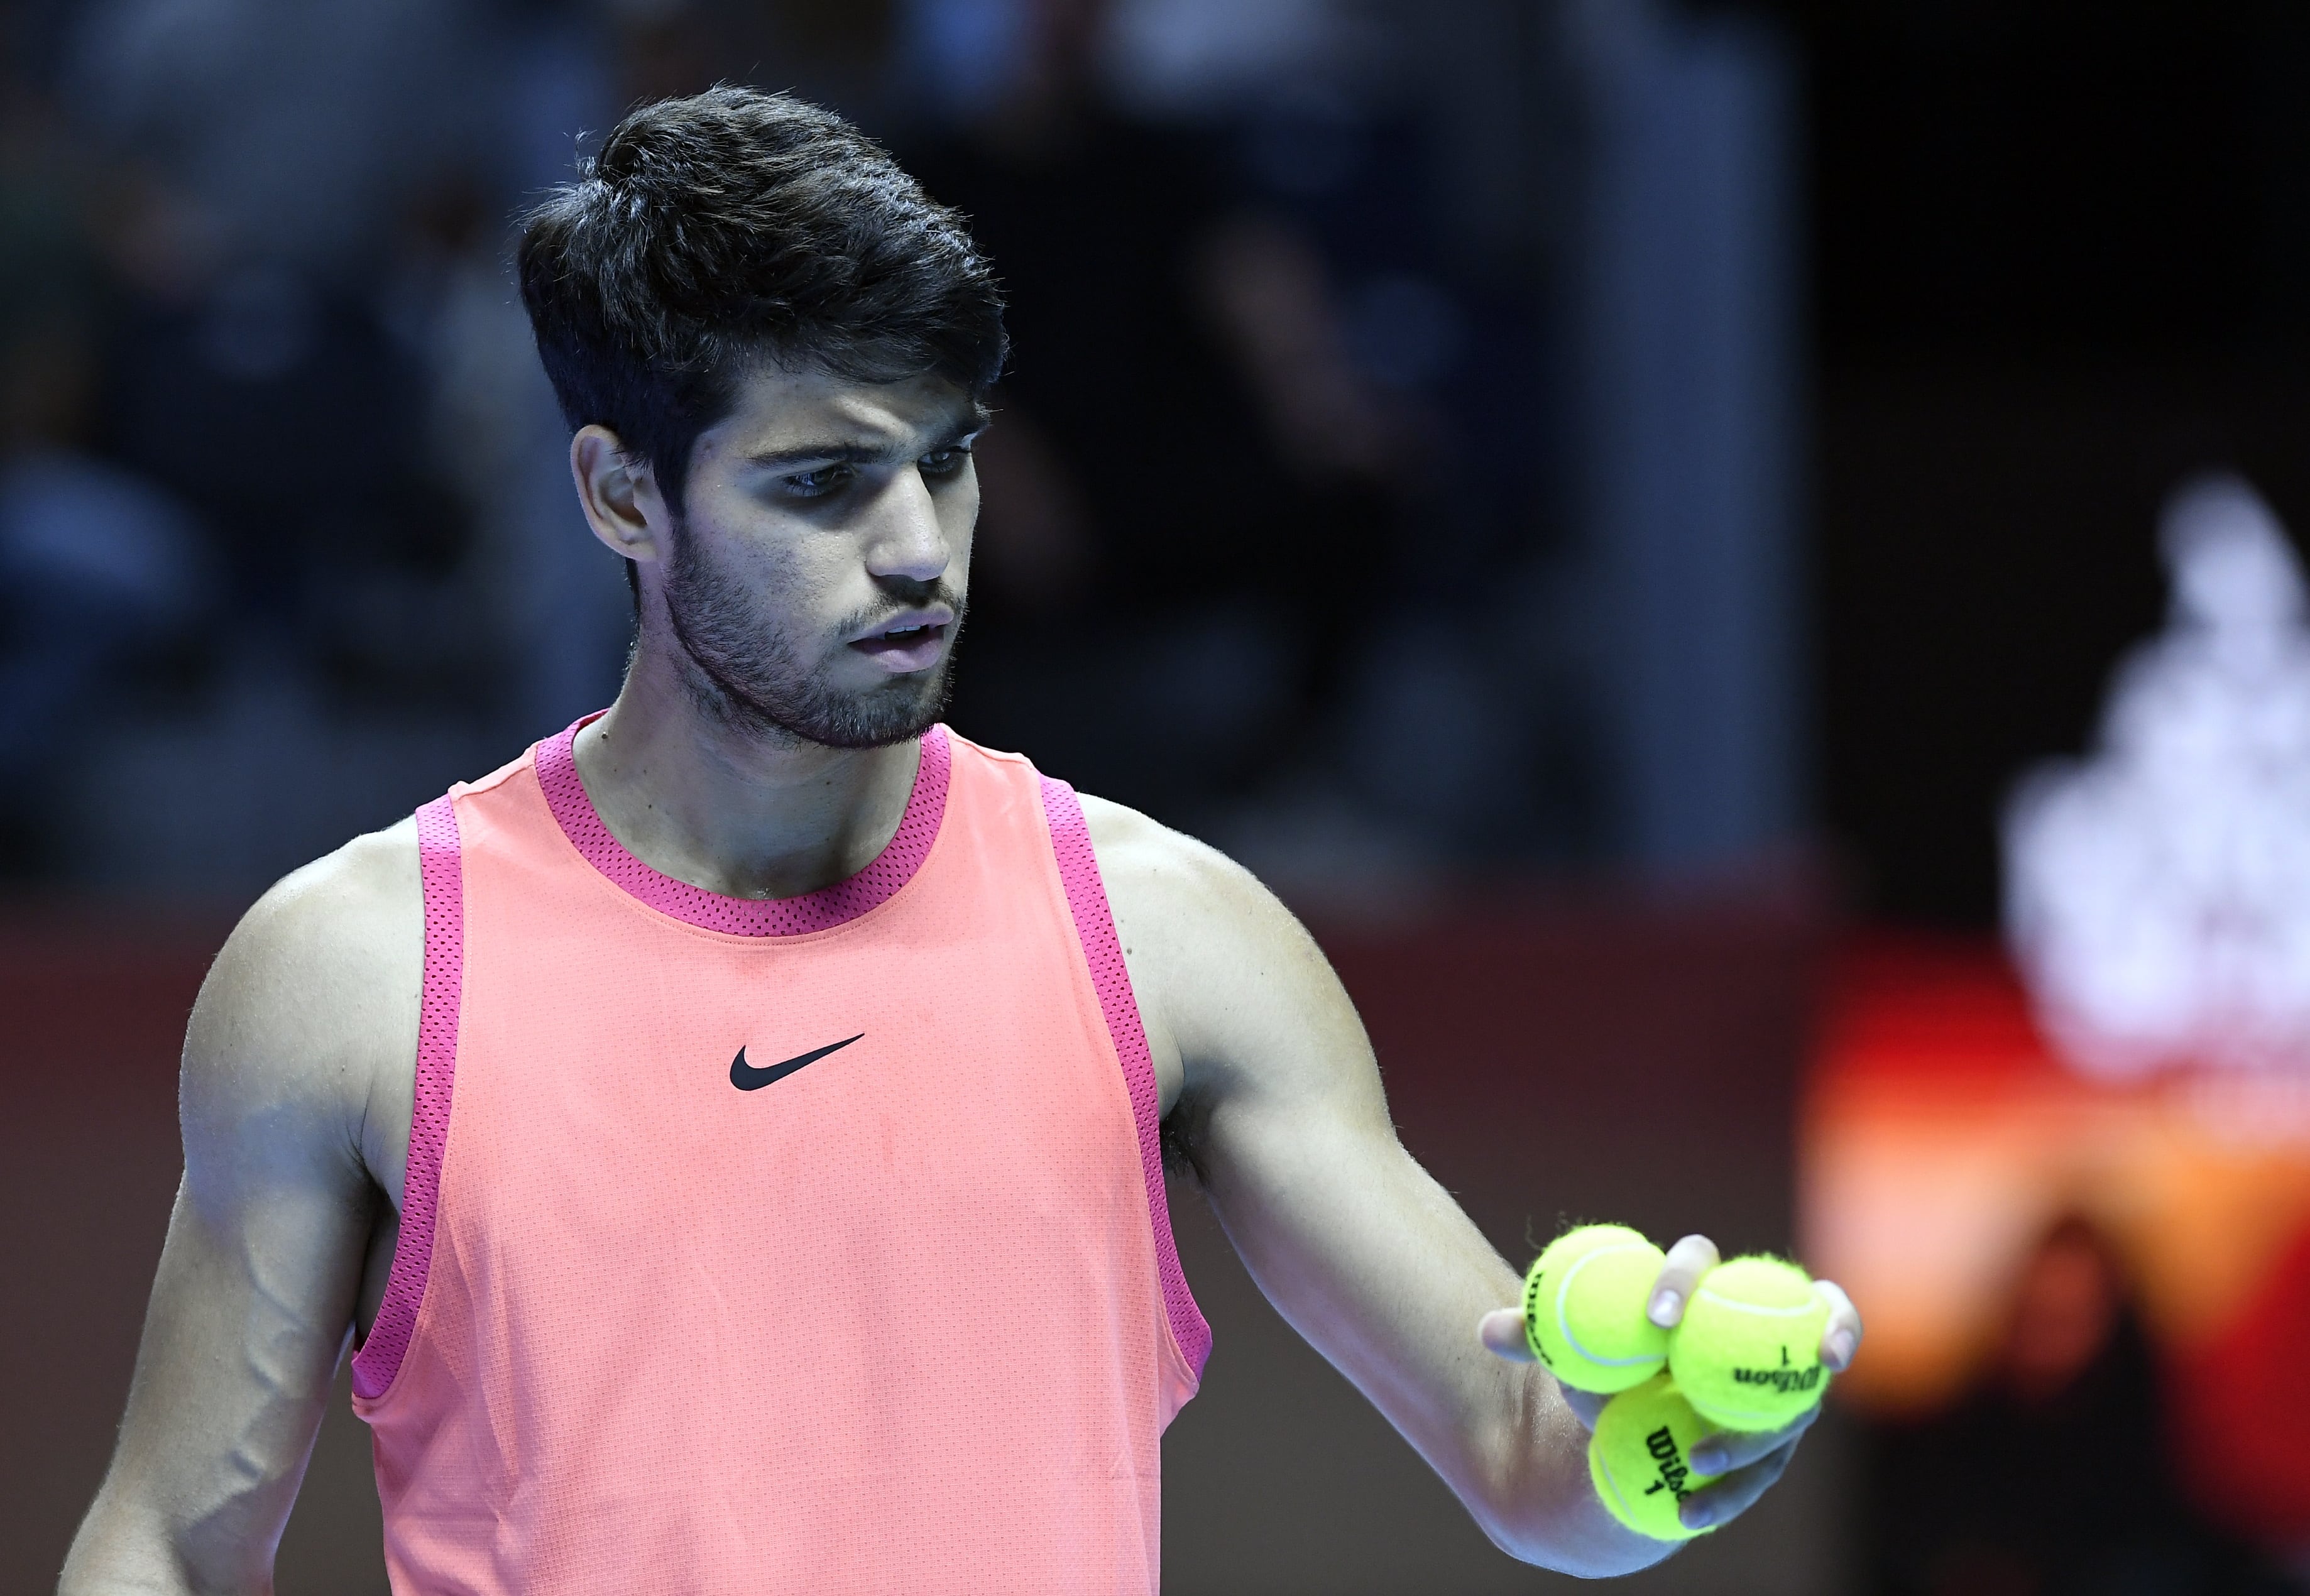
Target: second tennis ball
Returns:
[[1638, 1459], [1584, 1309], [1746, 1353]]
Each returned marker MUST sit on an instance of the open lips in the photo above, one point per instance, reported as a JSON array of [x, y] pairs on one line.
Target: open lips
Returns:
[[911, 641]]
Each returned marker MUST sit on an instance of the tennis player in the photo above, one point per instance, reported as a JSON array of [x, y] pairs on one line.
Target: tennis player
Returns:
[[729, 1135]]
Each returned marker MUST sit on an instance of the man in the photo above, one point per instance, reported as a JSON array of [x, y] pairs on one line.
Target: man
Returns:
[[731, 1131]]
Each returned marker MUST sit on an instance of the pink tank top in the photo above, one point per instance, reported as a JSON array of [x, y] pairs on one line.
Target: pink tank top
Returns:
[[811, 1244]]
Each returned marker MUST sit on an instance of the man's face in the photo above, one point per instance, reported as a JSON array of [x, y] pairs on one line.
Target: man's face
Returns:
[[816, 576]]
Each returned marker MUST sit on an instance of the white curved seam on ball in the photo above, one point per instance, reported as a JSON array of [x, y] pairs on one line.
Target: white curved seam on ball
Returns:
[[1619, 1494], [1737, 1306], [1564, 1326]]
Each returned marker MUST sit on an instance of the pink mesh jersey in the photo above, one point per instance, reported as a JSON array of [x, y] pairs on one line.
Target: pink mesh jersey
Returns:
[[808, 1245]]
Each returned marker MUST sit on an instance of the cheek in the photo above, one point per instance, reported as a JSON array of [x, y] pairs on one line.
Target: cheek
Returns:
[[958, 516], [780, 581]]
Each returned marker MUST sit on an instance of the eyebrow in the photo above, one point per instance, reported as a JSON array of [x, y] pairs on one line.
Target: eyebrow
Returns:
[[860, 452]]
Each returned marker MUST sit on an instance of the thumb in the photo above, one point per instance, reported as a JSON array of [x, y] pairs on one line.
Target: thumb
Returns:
[[1501, 1332]]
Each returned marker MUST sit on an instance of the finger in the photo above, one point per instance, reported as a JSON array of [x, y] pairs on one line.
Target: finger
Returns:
[[1501, 1332], [1688, 1260], [1726, 1499], [1587, 1406], [1840, 1339], [1723, 1454]]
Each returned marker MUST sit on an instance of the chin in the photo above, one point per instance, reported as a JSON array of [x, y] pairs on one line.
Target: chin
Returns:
[[898, 711]]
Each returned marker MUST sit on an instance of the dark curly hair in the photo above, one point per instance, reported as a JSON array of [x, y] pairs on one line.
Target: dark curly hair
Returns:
[[714, 231]]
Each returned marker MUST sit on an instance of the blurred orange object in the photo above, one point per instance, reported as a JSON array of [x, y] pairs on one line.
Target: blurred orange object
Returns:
[[1940, 1136]]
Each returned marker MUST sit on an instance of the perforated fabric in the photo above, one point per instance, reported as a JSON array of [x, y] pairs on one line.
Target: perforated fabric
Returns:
[[556, 775], [1111, 979], [438, 871], [654, 1350]]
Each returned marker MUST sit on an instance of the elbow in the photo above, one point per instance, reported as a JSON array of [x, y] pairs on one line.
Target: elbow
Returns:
[[1573, 1538], [1536, 1503]]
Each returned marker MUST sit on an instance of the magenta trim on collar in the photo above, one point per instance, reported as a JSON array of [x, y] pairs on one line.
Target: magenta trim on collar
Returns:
[[891, 869]]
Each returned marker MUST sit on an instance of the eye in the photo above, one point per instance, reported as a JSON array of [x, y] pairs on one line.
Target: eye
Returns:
[[944, 462], [819, 483]]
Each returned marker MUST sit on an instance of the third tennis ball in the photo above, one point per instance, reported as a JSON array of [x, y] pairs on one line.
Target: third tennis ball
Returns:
[[1584, 1308], [1638, 1458], [1746, 1353]]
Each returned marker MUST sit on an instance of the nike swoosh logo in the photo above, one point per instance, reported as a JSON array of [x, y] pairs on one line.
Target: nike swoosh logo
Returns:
[[753, 1078]]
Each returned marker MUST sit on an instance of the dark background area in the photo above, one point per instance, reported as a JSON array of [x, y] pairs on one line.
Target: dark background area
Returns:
[[2060, 259]]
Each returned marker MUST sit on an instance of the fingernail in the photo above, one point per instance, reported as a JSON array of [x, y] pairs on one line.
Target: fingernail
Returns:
[[1696, 1515], [1841, 1349], [1708, 1458], [1666, 1304]]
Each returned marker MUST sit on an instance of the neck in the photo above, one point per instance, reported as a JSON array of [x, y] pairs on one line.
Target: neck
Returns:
[[731, 809]]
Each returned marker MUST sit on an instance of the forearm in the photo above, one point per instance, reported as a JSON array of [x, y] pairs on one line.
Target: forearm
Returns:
[[1395, 1310]]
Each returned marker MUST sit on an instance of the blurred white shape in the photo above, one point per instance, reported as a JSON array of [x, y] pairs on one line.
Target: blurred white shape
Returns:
[[2157, 893]]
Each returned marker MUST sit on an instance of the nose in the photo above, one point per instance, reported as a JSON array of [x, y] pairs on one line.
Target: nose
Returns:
[[906, 542]]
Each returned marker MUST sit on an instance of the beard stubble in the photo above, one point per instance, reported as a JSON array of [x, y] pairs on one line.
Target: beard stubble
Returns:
[[739, 669]]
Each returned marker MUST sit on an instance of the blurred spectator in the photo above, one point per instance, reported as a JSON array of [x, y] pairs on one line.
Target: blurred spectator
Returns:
[[300, 128], [97, 563], [317, 353], [1187, 492], [834, 52], [299, 329], [2053, 1478], [532, 599], [282, 408], [1196, 588]]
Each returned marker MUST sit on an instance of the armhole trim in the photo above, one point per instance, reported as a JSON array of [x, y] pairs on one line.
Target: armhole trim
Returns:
[[442, 871], [1111, 979]]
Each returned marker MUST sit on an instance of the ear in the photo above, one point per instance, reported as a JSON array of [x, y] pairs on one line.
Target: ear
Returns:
[[622, 502]]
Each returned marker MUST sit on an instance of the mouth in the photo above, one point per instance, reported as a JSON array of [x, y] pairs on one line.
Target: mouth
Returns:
[[907, 643]]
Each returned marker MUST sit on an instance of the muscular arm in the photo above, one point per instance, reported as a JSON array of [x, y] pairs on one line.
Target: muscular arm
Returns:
[[288, 1103], [1354, 1243]]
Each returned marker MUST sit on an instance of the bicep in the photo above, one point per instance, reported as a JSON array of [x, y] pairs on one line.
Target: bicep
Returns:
[[251, 1309], [253, 1301], [1284, 1118]]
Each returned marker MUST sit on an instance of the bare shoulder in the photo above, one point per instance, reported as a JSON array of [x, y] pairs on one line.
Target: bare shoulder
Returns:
[[1168, 888], [1220, 965], [307, 1021]]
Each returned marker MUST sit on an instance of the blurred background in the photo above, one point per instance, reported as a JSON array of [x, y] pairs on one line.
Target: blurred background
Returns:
[[1732, 560]]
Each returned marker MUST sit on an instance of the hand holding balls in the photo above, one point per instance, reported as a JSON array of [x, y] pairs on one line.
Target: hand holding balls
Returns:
[[1745, 1356]]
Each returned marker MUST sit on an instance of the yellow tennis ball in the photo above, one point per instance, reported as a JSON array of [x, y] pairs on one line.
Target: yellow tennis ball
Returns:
[[1746, 1353], [1584, 1308], [1637, 1458]]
